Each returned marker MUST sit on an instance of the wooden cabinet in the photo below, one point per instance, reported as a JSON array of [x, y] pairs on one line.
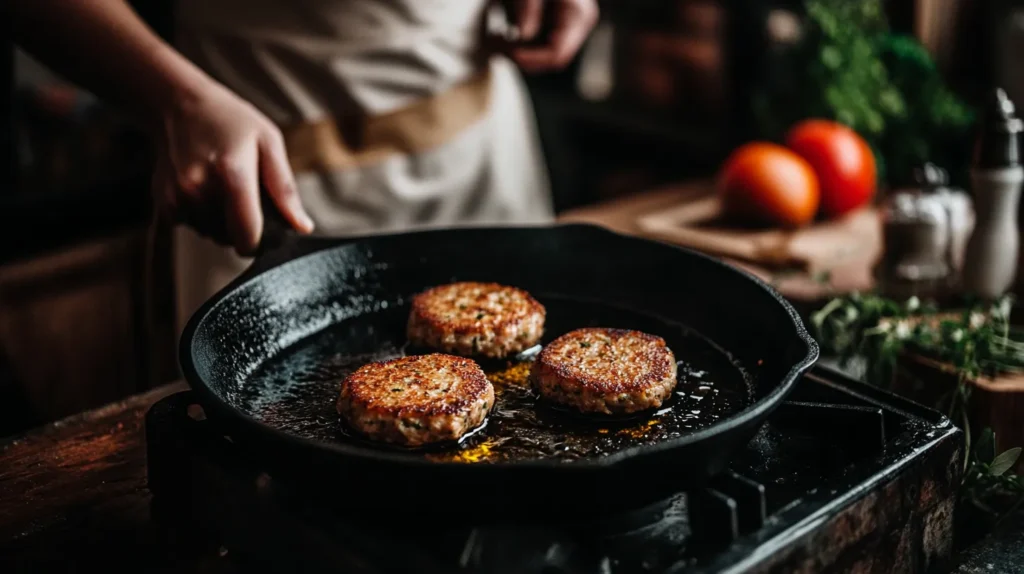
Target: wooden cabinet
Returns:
[[89, 324]]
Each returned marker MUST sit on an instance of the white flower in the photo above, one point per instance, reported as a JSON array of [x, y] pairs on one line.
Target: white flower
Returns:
[[851, 313], [913, 304], [902, 330], [957, 335], [1002, 310], [976, 320]]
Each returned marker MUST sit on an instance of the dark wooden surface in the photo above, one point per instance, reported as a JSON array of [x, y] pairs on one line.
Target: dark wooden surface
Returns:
[[73, 496]]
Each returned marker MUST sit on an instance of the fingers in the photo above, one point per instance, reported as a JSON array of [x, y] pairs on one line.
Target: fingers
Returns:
[[280, 182], [531, 13], [193, 176], [221, 199], [190, 159], [238, 171], [182, 182], [574, 20], [193, 205], [220, 148]]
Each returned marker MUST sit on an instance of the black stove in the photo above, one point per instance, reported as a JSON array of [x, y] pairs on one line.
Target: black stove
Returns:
[[843, 478]]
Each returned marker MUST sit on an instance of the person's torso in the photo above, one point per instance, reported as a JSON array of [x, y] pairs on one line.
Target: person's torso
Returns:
[[393, 113], [301, 60]]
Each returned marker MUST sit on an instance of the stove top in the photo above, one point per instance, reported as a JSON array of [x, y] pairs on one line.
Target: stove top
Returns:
[[843, 477]]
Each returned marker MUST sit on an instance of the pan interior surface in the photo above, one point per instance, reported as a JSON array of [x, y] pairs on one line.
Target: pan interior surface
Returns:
[[267, 355], [295, 391]]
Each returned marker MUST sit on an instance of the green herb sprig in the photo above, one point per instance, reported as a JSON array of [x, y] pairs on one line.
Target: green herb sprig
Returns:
[[979, 341], [988, 478]]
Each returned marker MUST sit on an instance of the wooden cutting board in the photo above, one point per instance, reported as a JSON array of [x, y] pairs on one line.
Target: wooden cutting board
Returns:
[[996, 403], [697, 220], [688, 214]]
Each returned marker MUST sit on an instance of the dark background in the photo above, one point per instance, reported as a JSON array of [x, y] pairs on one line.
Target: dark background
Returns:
[[86, 291], [76, 172]]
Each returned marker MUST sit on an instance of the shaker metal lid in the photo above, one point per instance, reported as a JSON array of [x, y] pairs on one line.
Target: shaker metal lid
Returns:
[[998, 141], [930, 177], [914, 206], [934, 180]]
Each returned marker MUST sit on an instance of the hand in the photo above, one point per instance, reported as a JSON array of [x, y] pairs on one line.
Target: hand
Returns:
[[573, 21], [216, 149]]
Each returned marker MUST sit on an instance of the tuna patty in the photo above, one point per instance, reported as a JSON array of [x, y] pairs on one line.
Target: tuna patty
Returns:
[[416, 400], [609, 371], [476, 319]]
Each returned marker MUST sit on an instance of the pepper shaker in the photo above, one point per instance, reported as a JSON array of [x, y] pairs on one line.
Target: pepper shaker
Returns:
[[990, 262], [916, 234]]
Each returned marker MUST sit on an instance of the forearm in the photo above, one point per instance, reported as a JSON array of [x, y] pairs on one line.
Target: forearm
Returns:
[[104, 47]]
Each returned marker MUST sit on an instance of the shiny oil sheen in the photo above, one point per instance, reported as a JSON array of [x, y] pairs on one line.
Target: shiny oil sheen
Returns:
[[296, 390]]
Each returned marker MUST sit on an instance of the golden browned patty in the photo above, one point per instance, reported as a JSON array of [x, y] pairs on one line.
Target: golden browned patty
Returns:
[[416, 400], [609, 371], [476, 319]]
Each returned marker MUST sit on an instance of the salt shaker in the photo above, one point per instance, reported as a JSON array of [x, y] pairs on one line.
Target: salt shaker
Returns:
[[959, 208], [990, 262]]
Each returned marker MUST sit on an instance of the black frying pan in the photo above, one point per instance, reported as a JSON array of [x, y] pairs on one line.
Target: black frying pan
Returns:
[[266, 354]]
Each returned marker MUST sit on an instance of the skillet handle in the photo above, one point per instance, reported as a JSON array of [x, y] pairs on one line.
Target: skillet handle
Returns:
[[277, 232], [279, 241]]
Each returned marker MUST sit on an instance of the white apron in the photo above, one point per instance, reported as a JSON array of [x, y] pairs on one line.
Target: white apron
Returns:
[[460, 154]]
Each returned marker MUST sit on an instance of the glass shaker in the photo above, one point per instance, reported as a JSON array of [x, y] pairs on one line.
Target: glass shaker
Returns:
[[959, 210], [916, 239]]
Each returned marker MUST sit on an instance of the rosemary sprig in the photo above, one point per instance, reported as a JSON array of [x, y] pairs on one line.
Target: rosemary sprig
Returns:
[[978, 342]]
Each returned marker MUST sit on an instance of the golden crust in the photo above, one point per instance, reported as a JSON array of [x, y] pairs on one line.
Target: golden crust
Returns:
[[476, 319], [416, 400], [611, 371]]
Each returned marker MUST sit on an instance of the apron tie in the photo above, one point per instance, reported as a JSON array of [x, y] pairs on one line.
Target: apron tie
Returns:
[[320, 146]]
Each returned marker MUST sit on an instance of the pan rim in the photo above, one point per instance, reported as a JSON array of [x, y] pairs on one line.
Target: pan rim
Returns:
[[232, 418]]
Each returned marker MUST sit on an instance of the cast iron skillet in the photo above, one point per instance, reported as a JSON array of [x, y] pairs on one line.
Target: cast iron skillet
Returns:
[[300, 286]]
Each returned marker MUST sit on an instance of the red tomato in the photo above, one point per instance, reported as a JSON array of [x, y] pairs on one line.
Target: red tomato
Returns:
[[843, 161], [768, 183]]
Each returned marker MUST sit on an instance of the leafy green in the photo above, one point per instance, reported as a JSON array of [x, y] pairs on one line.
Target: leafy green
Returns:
[[1004, 461], [852, 69], [935, 127], [985, 446], [987, 484], [979, 341]]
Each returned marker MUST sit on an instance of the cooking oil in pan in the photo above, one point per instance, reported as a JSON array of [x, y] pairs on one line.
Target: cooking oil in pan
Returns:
[[296, 391]]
